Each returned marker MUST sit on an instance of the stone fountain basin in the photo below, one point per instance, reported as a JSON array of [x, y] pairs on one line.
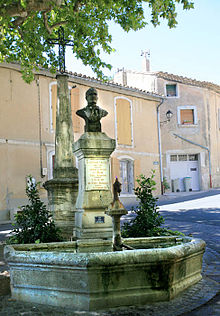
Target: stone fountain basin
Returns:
[[87, 275]]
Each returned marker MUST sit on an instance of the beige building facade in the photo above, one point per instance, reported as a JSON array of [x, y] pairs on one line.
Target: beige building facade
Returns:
[[27, 131], [190, 140]]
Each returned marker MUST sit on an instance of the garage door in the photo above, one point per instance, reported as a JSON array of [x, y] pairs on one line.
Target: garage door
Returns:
[[182, 166]]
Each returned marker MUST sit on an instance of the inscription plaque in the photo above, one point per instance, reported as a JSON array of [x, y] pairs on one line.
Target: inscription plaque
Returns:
[[99, 219], [97, 174]]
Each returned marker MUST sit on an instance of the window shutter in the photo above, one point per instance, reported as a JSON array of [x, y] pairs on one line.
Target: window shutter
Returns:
[[123, 116], [74, 107], [115, 168], [187, 116], [137, 169], [53, 104]]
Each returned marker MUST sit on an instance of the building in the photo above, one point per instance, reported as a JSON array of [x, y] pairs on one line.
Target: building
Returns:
[[27, 125], [190, 140]]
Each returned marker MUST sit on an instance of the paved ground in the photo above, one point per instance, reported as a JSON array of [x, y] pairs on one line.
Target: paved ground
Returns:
[[194, 214], [199, 217]]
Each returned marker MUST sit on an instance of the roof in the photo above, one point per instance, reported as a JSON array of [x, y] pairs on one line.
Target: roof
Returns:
[[94, 82], [110, 85], [189, 81]]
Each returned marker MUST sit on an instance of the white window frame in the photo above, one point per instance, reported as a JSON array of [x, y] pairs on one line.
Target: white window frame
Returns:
[[116, 134], [50, 154], [187, 107], [177, 89]]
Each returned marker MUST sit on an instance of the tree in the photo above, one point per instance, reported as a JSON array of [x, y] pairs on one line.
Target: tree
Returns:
[[25, 25]]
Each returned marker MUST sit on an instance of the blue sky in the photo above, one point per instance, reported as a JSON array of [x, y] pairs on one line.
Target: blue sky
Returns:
[[192, 49]]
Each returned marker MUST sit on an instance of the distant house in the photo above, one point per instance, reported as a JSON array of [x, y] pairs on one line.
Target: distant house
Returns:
[[27, 130], [190, 141]]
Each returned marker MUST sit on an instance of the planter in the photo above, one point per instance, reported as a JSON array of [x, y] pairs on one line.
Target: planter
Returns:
[[87, 275]]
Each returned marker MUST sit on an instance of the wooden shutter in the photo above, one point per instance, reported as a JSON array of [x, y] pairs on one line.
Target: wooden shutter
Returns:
[[186, 116], [74, 107], [115, 169], [123, 116], [137, 171], [53, 104]]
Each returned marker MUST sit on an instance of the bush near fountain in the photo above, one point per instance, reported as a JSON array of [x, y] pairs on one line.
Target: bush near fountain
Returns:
[[148, 221], [34, 223]]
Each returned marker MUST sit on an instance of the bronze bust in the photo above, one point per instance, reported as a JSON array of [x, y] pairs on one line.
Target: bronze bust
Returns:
[[92, 114]]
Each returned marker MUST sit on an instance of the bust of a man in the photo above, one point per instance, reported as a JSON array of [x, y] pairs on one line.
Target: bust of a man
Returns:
[[92, 114]]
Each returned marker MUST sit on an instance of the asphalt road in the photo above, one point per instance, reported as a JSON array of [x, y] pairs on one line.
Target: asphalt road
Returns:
[[199, 217]]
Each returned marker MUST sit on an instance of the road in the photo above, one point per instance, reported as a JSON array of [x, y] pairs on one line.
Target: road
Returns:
[[199, 217]]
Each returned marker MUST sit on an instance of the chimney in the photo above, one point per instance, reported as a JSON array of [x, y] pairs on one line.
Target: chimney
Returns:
[[145, 60], [124, 77]]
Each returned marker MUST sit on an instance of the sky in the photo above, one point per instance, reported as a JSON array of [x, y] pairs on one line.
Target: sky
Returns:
[[191, 50]]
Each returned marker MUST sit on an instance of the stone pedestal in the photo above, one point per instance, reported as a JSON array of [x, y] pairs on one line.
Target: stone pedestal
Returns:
[[62, 189], [116, 210], [93, 151], [62, 194]]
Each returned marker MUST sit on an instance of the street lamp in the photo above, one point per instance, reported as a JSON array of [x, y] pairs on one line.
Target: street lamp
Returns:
[[169, 115]]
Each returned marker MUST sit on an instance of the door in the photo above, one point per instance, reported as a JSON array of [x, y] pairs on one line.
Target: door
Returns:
[[193, 171], [186, 165]]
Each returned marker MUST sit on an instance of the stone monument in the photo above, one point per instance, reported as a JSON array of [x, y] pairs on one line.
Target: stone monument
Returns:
[[93, 150], [63, 188]]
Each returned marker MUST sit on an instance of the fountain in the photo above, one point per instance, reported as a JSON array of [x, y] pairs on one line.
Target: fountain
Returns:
[[92, 272]]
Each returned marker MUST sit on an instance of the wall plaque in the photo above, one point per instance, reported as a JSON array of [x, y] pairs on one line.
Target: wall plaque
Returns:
[[99, 219], [97, 174]]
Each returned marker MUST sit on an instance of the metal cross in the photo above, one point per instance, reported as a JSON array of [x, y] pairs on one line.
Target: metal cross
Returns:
[[62, 42]]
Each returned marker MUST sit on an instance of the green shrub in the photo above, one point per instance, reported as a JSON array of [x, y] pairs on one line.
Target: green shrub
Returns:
[[148, 221], [33, 223], [165, 184]]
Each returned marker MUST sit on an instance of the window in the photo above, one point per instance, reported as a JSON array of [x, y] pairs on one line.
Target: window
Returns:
[[127, 176], [171, 90], [182, 157], [50, 162], [187, 115], [193, 157], [173, 158], [123, 121]]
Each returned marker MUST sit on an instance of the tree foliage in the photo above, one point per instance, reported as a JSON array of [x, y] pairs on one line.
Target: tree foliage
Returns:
[[34, 223], [25, 25]]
